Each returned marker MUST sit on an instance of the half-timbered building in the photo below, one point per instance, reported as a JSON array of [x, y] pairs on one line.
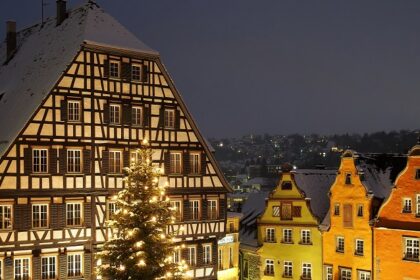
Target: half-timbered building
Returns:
[[78, 94]]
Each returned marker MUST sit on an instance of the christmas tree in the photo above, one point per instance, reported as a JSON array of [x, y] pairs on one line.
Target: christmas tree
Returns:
[[140, 247]]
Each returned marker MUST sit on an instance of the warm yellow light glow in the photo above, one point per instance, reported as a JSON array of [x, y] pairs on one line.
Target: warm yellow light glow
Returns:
[[142, 262], [145, 141]]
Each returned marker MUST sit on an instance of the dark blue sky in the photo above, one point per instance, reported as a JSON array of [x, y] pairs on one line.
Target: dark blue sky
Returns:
[[275, 66]]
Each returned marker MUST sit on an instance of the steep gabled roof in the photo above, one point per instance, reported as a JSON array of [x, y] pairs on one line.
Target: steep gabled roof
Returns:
[[44, 53], [315, 184]]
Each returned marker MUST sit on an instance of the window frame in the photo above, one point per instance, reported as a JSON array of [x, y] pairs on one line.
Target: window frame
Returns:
[[345, 269], [417, 205], [415, 250], [328, 274], [305, 240], [115, 164], [73, 161], [39, 161], [48, 265], [137, 115], [207, 255], [366, 273], [246, 269], [178, 210], [81, 272], [360, 211], [195, 163], [81, 217], [337, 244], [337, 208], [405, 209], [270, 235], [192, 262], [306, 271], [356, 247], [195, 210], [175, 165], [287, 269], [176, 255], [140, 74], [417, 174], [22, 272], [220, 265], [348, 179], [71, 111], [113, 114], [284, 236], [169, 118], [283, 206], [110, 204], [212, 210], [269, 267], [5, 205], [110, 70], [39, 214]]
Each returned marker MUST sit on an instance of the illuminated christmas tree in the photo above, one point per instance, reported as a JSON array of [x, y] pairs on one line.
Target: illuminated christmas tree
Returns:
[[141, 248]]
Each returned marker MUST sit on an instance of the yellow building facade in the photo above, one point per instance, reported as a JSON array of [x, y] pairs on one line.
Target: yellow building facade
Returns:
[[228, 249], [288, 229], [355, 197]]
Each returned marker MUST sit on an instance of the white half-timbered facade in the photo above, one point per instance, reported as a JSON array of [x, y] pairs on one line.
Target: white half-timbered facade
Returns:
[[78, 95]]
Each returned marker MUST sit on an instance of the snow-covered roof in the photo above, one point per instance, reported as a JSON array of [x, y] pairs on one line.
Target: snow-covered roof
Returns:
[[315, 184], [43, 54]]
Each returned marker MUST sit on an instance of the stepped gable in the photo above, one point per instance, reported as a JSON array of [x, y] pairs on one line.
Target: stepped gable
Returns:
[[43, 53]]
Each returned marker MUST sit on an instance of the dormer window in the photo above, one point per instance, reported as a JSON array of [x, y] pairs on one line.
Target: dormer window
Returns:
[[286, 185], [348, 179], [114, 69]]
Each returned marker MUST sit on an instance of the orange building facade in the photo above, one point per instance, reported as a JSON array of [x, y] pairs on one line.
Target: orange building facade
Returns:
[[397, 229], [355, 197]]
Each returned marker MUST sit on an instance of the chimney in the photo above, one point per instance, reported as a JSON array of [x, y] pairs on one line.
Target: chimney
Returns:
[[61, 11], [10, 38]]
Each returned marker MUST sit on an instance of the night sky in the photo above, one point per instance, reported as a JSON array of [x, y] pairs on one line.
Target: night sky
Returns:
[[246, 66]]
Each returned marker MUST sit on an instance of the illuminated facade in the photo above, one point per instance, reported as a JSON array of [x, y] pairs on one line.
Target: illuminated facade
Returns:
[[228, 249], [397, 229], [288, 230], [362, 183], [78, 95]]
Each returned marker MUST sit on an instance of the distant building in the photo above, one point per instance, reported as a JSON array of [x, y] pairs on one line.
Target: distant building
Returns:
[[397, 228]]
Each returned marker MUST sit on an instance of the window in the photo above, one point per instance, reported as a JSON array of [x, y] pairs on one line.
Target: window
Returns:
[[364, 275], [114, 69], [207, 254], [74, 265], [348, 215], [191, 256], [1, 269], [345, 274], [115, 114], [40, 215], [286, 185], [176, 256], [328, 272], [194, 209], [359, 210], [212, 209], [306, 271], [305, 236], [220, 259], [230, 257], [288, 269], [231, 227], [115, 161], [73, 111], [135, 157], [348, 179], [48, 267], [112, 208], [269, 267], [176, 163], [276, 211], [195, 163], [22, 269], [137, 115], [407, 205], [337, 209], [359, 247], [418, 205], [74, 161], [287, 235], [246, 268], [417, 174], [5, 216], [270, 235], [135, 72], [411, 250], [169, 118], [74, 214], [340, 244], [286, 211], [40, 160], [176, 208]]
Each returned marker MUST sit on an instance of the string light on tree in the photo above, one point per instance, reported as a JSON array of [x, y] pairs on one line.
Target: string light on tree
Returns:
[[141, 247]]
